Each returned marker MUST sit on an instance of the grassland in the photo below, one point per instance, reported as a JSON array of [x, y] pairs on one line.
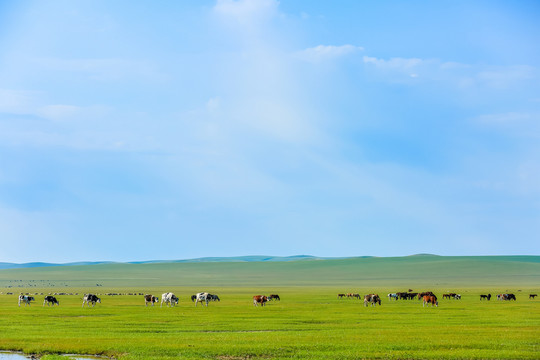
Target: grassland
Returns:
[[309, 323]]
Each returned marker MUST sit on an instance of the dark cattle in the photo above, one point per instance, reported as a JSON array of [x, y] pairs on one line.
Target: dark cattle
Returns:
[[430, 299], [411, 296], [25, 299], [212, 297], [506, 297], [273, 297], [449, 296], [487, 297], [50, 300], [532, 296], [91, 298], [373, 299], [259, 299], [148, 298], [193, 298], [340, 296], [402, 295]]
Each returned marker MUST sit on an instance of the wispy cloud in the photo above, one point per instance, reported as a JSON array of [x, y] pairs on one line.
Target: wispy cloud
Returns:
[[104, 69], [326, 52], [246, 11], [522, 124]]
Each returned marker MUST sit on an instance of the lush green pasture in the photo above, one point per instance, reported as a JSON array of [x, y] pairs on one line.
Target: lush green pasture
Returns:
[[309, 322]]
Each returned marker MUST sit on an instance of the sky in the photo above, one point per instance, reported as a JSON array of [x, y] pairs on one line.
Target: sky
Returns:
[[143, 130]]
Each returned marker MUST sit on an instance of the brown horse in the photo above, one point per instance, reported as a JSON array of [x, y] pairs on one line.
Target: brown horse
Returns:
[[430, 299], [422, 294]]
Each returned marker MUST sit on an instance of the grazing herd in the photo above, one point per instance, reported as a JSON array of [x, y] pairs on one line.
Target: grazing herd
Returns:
[[170, 299]]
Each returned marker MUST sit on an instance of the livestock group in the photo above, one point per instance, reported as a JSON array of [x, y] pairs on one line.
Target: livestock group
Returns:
[[171, 300]]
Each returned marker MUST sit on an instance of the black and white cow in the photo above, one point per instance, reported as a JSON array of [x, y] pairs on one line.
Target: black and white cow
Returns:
[[150, 299], [25, 299], [169, 298], [91, 298], [202, 296], [50, 300]]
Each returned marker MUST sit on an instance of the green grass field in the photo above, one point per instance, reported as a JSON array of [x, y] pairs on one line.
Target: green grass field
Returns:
[[309, 323]]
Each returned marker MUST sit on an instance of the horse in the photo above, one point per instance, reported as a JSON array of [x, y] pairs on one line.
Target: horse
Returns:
[[430, 299], [392, 296], [487, 297], [422, 294]]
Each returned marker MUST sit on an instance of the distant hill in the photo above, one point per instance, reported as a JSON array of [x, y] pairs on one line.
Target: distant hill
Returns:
[[251, 258], [498, 273]]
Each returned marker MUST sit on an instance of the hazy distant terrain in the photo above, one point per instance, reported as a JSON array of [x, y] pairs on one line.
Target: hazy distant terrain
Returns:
[[409, 271]]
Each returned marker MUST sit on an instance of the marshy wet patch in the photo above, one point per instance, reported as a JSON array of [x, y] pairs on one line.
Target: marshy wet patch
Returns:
[[17, 355]]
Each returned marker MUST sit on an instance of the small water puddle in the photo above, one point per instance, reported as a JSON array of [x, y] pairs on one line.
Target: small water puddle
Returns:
[[14, 355]]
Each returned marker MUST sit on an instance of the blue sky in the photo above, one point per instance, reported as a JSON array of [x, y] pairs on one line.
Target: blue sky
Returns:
[[170, 130]]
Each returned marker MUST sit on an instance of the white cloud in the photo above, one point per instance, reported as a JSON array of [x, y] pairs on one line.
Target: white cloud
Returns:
[[504, 76], [394, 63], [16, 101], [59, 112], [326, 52]]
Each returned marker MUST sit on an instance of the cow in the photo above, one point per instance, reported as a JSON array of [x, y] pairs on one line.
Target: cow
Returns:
[[510, 297], [340, 296], [259, 299], [273, 297], [25, 299], [532, 296], [449, 296], [373, 299], [457, 296], [487, 297], [430, 299], [148, 298], [50, 300], [169, 298], [212, 297], [202, 296], [90, 298], [393, 296]]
